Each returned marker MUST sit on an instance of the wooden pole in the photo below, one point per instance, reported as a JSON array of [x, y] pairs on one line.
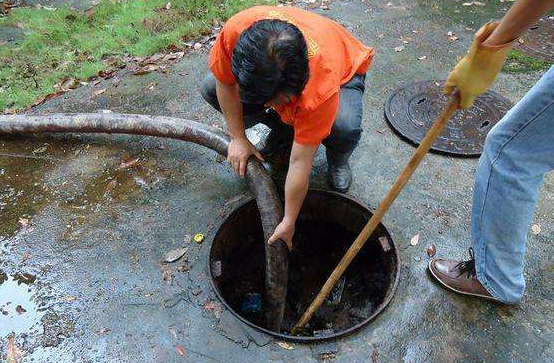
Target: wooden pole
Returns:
[[366, 232]]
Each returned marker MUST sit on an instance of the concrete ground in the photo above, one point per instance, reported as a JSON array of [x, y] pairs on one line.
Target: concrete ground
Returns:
[[86, 250]]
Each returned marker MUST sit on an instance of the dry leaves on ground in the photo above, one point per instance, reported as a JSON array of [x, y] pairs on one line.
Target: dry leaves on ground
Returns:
[[215, 307], [285, 345], [14, 354], [129, 164], [174, 255]]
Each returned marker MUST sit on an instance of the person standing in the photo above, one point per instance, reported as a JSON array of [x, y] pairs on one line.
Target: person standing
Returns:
[[518, 152]]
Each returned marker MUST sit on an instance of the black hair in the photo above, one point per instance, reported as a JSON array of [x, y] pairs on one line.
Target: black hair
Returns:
[[270, 57]]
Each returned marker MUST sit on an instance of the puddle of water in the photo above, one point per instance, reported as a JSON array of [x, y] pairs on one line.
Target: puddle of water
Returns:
[[16, 295]]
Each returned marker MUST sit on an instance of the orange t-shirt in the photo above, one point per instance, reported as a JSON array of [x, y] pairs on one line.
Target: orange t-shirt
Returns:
[[334, 57]]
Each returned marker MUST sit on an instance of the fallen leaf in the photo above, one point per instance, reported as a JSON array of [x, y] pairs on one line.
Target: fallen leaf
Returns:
[[197, 46], [234, 199], [173, 333], [40, 150], [467, 4], [431, 250], [216, 308], [521, 41], [285, 345], [103, 330], [453, 38], [174, 255], [478, 3], [70, 298], [146, 69], [19, 309], [14, 354], [449, 33], [24, 222], [99, 92], [129, 164], [180, 350], [198, 238], [415, 240], [406, 40], [168, 6], [422, 57], [399, 48], [112, 184], [536, 229], [172, 47]]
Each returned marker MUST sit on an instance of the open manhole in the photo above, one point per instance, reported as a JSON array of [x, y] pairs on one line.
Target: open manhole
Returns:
[[538, 41], [412, 109], [328, 223]]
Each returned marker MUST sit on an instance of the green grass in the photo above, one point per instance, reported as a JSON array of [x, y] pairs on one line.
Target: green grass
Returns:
[[68, 43], [517, 62]]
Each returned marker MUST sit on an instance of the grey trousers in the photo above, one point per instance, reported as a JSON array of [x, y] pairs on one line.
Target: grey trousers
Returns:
[[346, 131]]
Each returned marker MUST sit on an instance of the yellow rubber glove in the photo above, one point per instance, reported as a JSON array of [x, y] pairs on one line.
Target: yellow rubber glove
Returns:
[[474, 73]]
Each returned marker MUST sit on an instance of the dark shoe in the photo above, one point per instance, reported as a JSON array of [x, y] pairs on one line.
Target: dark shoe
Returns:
[[459, 276], [273, 142], [339, 173]]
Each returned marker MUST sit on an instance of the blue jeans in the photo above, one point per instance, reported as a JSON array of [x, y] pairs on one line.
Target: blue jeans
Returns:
[[346, 130], [518, 151]]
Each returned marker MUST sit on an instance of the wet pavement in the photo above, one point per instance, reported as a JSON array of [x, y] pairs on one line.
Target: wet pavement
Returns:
[[90, 223]]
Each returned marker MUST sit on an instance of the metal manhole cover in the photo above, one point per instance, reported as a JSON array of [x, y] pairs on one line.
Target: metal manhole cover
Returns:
[[412, 109], [538, 41]]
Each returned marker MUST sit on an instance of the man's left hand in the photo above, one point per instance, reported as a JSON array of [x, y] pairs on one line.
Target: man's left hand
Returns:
[[284, 231]]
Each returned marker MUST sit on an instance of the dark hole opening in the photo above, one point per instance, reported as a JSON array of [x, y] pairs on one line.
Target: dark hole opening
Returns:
[[319, 244], [534, 27], [421, 101]]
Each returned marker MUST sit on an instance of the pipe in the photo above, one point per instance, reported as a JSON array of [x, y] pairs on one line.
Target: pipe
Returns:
[[258, 180]]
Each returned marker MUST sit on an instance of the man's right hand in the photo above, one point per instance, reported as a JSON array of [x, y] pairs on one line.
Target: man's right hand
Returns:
[[475, 73], [240, 149]]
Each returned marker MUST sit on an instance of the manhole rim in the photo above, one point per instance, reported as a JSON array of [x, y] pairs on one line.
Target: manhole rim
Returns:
[[433, 149], [304, 339]]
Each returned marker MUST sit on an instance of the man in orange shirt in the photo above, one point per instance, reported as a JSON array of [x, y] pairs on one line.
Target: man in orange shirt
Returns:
[[303, 76]]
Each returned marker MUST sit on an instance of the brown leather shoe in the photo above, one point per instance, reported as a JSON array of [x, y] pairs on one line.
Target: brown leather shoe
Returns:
[[459, 276]]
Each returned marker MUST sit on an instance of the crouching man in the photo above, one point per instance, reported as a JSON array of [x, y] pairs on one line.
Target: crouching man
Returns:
[[300, 74]]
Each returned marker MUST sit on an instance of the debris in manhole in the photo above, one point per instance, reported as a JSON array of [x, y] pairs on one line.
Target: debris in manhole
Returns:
[[536, 229], [19, 309], [411, 110], [336, 294], [361, 294], [252, 303], [415, 240]]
